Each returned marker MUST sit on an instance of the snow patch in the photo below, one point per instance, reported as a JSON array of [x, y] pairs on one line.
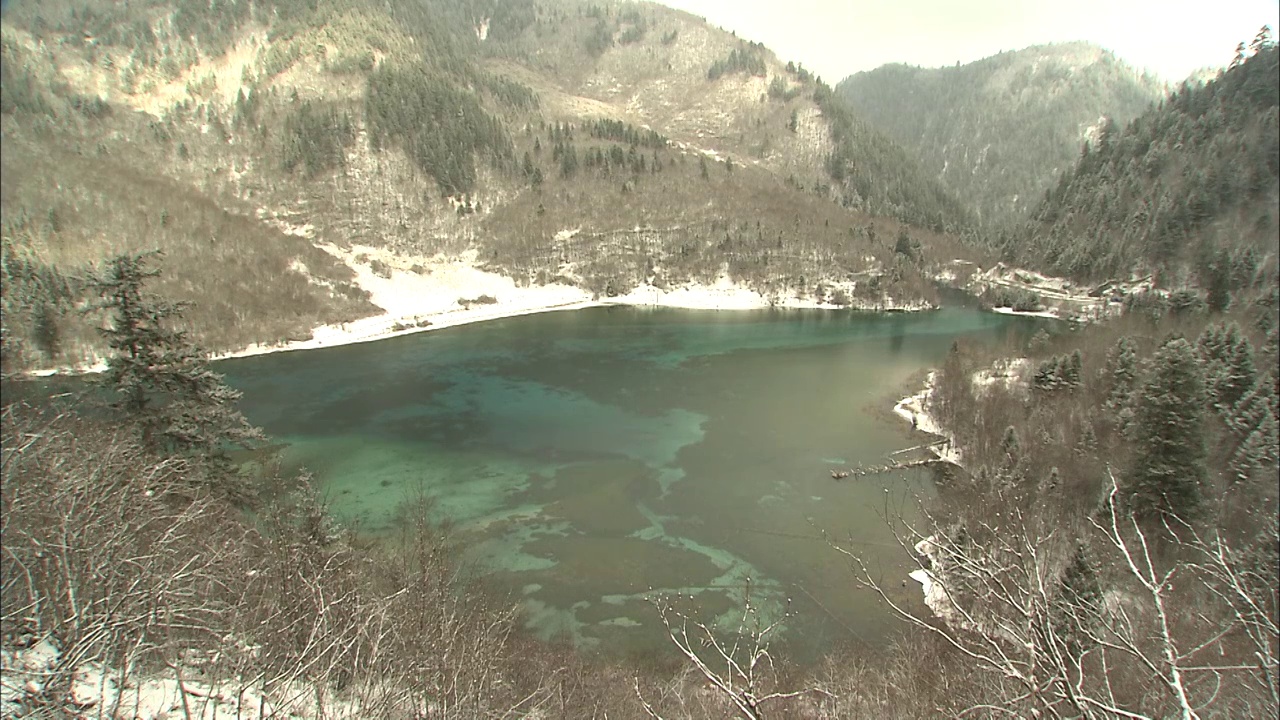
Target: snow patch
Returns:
[[915, 410]]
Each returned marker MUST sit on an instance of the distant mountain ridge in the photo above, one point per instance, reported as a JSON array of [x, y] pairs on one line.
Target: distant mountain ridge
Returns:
[[598, 144], [998, 131], [1189, 190]]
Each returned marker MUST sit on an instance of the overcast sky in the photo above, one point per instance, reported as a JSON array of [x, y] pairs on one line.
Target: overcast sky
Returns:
[[835, 38]]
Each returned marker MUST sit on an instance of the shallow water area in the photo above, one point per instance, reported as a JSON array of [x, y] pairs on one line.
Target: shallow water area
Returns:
[[594, 458]]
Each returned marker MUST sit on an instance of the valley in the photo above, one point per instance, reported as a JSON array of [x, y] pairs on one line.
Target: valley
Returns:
[[539, 359]]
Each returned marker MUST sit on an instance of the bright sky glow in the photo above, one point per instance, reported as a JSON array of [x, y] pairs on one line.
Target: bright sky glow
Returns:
[[836, 38]]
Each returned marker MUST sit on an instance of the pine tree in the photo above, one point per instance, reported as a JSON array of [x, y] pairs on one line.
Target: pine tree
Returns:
[[1073, 369], [1219, 283], [1122, 369], [1251, 409], [1010, 448], [1239, 374], [1087, 445], [1079, 600], [1169, 463], [1260, 450], [162, 381], [1229, 368], [1046, 376], [44, 329]]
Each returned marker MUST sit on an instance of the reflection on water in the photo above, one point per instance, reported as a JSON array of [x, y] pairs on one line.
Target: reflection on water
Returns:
[[591, 459]]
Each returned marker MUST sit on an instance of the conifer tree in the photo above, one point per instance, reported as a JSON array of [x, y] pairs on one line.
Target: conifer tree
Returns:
[[1240, 374], [1169, 463], [1251, 409], [1010, 448], [1260, 450], [1073, 369], [1229, 368], [1079, 600], [162, 382], [1122, 369]]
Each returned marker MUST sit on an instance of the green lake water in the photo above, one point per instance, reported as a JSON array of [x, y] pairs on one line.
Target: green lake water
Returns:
[[591, 459]]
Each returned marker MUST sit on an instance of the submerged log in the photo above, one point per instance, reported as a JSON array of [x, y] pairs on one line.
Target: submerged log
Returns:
[[887, 467]]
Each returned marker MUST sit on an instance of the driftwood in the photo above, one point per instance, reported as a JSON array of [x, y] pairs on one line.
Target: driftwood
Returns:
[[894, 465]]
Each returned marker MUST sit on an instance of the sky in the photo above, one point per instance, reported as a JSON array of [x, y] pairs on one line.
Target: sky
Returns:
[[836, 38]]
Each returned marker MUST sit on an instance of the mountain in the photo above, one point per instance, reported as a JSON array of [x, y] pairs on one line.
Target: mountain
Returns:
[[1189, 190], [998, 131], [264, 145]]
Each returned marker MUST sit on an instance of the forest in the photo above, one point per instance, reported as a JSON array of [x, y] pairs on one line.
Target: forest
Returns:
[[1103, 539]]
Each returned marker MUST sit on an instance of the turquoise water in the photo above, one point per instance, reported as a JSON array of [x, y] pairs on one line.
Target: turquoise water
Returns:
[[589, 460]]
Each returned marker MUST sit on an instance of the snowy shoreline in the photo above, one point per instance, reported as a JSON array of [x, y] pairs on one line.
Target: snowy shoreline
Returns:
[[425, 294], [914, 409], [421, 294]]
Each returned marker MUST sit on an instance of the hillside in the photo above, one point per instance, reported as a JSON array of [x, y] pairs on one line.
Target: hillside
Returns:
[[261, 146], [1189, 190], [998, 131]]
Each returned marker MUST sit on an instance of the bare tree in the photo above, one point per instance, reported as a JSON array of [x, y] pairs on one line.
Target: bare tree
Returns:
[[742, 669], [1184, 630]]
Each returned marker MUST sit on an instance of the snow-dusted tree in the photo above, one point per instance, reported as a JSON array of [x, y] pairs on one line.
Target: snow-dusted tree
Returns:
[[1099, 625], [1169, 464], [161, 380], [1122, 374]]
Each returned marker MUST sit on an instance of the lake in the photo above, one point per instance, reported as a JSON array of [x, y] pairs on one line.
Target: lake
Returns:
[[592, 459]]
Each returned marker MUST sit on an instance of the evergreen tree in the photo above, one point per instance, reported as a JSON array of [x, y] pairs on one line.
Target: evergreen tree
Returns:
[[1219, 283], [1122, 370], [1073, 369], [162, 381], [1046, 375], [44, 329], [1010, 448], [1087, 445], [1252, 409], [1239, 375], [1169, 463], [1079, 600], [1229, 368], [1260, 450]]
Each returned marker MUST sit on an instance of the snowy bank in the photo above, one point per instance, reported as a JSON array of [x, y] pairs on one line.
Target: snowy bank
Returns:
[[915, 410], [1051, 313], [99, 691], [935, 594], [419, 294], [422, 293]]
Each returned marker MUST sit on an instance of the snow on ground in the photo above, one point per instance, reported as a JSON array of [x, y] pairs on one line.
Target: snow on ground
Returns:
[[97, 691], [428, 293], [420, 293], [1010, 372], [1051, 313], [1072, 301], [915, 410], [935, 594]]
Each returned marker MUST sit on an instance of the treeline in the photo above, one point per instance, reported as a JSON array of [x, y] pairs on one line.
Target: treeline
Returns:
[[624, 132], [1179, 186], [999, 131], [315, 137], [1098, 465], [440, 126], [747, 59], [875, 174], [604, 160], [35, 296], [1181, 402]]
